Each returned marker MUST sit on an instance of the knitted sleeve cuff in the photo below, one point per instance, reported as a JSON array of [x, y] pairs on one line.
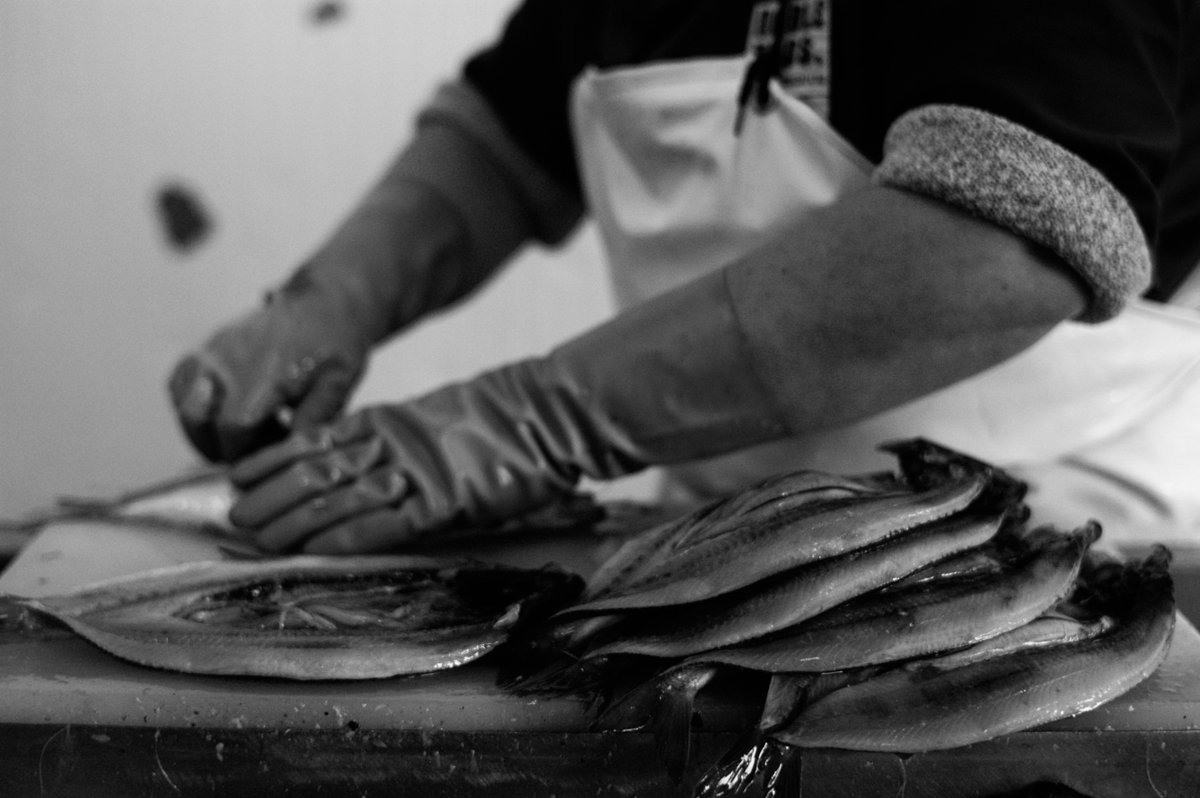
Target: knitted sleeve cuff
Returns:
[[1008, 175]]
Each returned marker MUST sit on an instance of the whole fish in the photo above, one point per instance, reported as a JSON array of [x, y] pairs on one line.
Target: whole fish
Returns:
[[782, 601], [786, 493], [925, 465], [311, 617], [642, 553], [750, 552], [887, 627], [909, 711]]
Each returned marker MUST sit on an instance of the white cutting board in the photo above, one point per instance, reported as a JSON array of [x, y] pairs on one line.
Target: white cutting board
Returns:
[[66, 555]]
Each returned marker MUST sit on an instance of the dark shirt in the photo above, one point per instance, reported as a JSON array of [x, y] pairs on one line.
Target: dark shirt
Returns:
[[1117, 82]]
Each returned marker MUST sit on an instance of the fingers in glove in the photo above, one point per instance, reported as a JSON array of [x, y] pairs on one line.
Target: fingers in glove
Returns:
[[346, 508], [384, 530], [305, 479], [306, 444], [221, 425], [253, 417]]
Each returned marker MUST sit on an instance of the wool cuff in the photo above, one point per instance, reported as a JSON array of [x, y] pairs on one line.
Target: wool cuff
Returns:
[[1015, 178]]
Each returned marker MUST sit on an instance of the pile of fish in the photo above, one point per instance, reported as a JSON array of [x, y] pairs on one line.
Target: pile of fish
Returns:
[[900, 613]]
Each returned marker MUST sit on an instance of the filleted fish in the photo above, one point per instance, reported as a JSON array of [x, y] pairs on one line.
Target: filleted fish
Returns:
[[311, 617]]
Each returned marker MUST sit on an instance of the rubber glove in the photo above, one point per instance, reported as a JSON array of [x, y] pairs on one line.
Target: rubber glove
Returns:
[[518, 437]]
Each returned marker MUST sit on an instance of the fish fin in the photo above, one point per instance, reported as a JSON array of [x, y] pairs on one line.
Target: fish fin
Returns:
[[633, 710], [671, 725], [526, 671]]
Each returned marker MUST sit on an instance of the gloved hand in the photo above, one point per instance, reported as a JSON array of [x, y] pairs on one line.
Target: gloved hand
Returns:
[[295, 360], [515, 438], [456, 203]]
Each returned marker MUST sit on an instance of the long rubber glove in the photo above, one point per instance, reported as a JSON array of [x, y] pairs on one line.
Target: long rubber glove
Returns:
[[667, 381], [880, 300], [443, 217]]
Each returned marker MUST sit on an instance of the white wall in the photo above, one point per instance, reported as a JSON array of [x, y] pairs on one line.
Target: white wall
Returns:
[[278, 125]]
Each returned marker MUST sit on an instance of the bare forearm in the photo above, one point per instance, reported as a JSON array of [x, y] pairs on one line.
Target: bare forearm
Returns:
[[887, 296]]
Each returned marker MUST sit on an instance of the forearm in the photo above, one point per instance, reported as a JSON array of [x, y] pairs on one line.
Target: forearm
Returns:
[[887, 296], [453, 206]]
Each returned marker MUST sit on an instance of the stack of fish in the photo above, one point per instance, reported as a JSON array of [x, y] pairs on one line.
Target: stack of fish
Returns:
[[889, 613]]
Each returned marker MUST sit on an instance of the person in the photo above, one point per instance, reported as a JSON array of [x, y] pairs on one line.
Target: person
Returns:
[[815, 212]]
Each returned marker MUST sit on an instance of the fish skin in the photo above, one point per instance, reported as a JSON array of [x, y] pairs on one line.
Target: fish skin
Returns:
[[971, 563], [638, 556], [782, 494], [134, 617], [1043, 632], [800, 594], [753, 552], [908, 712], [887, 627]]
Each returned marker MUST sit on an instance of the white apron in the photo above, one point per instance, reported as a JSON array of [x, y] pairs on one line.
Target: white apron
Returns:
[[676, 193]]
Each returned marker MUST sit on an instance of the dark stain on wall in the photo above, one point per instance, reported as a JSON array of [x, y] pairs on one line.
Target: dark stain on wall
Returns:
[[184, 220], [327, 11]]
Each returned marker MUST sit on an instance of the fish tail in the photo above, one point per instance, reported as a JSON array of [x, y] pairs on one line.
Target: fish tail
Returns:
[[926, 464], [633, 710], [562, 674]]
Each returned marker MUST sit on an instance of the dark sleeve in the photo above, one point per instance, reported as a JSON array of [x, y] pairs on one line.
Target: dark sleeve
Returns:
[[1056, 118], [1177, 252], [526, 78]]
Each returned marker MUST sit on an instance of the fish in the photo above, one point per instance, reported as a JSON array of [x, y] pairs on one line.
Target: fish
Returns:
[[785, 600], [750, 552], [664, 704], [1052, 629], [886, 627], [910, 711], [773, 497], [789, 693], [311, 617], [975, 562]]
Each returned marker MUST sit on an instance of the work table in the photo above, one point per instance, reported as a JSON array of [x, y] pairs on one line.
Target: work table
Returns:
[[76, 721]]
